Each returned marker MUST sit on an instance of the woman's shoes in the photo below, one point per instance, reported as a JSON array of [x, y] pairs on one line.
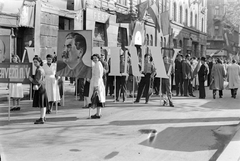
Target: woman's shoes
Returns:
[[15, 109], [95, 116], [39, 121], [48, 111]]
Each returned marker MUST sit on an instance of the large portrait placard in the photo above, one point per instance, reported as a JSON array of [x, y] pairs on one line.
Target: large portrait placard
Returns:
[[74, 53], [4, 49]]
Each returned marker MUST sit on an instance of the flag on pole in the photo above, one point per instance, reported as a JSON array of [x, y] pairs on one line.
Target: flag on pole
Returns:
[[153, 11], [165, 22], [142, 7]]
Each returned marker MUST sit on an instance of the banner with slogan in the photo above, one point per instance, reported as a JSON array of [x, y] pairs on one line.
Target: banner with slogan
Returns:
[[15, 72]]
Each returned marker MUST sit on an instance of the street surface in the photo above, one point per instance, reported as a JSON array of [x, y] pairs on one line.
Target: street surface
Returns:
[[194, 130]]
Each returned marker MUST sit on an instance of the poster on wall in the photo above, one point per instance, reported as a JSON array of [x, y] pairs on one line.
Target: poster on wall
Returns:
[[4, 48], [74, 53]]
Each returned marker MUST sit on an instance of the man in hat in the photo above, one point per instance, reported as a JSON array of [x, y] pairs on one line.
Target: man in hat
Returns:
[[202, 77]]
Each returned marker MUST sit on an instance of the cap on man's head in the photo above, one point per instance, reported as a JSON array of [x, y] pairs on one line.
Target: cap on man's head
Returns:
[[187, 56], [203, 58]]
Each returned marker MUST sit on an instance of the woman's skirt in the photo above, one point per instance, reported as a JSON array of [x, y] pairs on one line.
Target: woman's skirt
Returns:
[[40, 98]]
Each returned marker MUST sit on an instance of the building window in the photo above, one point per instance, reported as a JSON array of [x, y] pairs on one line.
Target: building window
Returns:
[[165, 42], [147, 39], [181, 14], [123, 2], [151, 40], [161, 42], [180, 43], [174, 43], [191, 19], [186, 17], [196, 21], [122, 37], [99, 35], [174, 11], [66, 23]]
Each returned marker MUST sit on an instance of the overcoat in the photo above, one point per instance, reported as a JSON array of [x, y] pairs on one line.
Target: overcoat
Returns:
[[233, 76], [218, 74]]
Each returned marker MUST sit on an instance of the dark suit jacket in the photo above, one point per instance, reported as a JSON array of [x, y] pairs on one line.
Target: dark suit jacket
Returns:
[[202, 73], [186, 70]]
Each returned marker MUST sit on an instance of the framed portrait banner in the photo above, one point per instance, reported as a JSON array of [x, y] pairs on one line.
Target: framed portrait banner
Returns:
[[74, 53], [4, 49]]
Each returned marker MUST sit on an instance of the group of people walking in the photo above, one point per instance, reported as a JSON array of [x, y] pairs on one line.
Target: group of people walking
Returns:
[[188, 73]]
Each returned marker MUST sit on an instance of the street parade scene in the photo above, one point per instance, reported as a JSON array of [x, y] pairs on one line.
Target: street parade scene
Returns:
[[119, 80]]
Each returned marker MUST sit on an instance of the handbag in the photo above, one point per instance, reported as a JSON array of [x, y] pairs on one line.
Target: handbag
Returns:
[[36, 87]]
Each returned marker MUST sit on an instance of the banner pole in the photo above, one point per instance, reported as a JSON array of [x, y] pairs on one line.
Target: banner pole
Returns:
[[76, 87], [9, 104], [56, 103], [30, 92], [160, 90], [63, 96], [115, 88], [133, 90]]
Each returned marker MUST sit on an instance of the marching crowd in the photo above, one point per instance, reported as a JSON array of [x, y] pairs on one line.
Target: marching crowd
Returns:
[[188, 73]]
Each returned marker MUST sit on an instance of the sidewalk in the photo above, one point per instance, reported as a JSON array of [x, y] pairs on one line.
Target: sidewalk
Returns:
[[194, 130]]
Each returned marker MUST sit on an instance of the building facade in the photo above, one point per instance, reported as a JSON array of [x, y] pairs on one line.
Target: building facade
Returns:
[[189, 26], [217, 25]]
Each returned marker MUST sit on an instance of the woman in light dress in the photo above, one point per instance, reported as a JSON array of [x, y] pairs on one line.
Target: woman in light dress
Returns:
[[51, 82], [16, 89], [97, 85]]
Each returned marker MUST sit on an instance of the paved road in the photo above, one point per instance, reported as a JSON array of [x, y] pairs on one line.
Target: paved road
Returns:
[[194, 130]]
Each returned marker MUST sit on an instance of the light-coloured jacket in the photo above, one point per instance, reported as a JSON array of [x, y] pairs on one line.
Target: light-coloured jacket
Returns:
[[233, 76]]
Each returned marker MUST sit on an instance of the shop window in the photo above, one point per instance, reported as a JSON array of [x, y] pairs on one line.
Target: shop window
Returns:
[[66, 23], [99, 35], [122, 37]]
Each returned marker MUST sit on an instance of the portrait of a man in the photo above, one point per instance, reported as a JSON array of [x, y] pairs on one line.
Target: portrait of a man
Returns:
[[2, 51], [72, 59]]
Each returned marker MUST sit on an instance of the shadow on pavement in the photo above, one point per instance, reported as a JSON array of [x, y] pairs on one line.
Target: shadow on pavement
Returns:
[[202, 138]]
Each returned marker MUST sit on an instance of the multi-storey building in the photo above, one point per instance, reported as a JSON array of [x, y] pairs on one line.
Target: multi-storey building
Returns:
[[217, 25], [189, 26]]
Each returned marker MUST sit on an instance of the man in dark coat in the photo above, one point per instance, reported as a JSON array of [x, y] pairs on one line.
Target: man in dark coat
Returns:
[[187, 76], [202, 77], [179, 75]]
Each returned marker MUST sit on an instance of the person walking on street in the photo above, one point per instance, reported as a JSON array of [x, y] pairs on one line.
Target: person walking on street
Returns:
[[166, 85], [233, 76], [179, 75], [97, 88], [218, 74], [187, 76], [16, 89], [51, 83], [202, 77], [40, 99], [144, 85]]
